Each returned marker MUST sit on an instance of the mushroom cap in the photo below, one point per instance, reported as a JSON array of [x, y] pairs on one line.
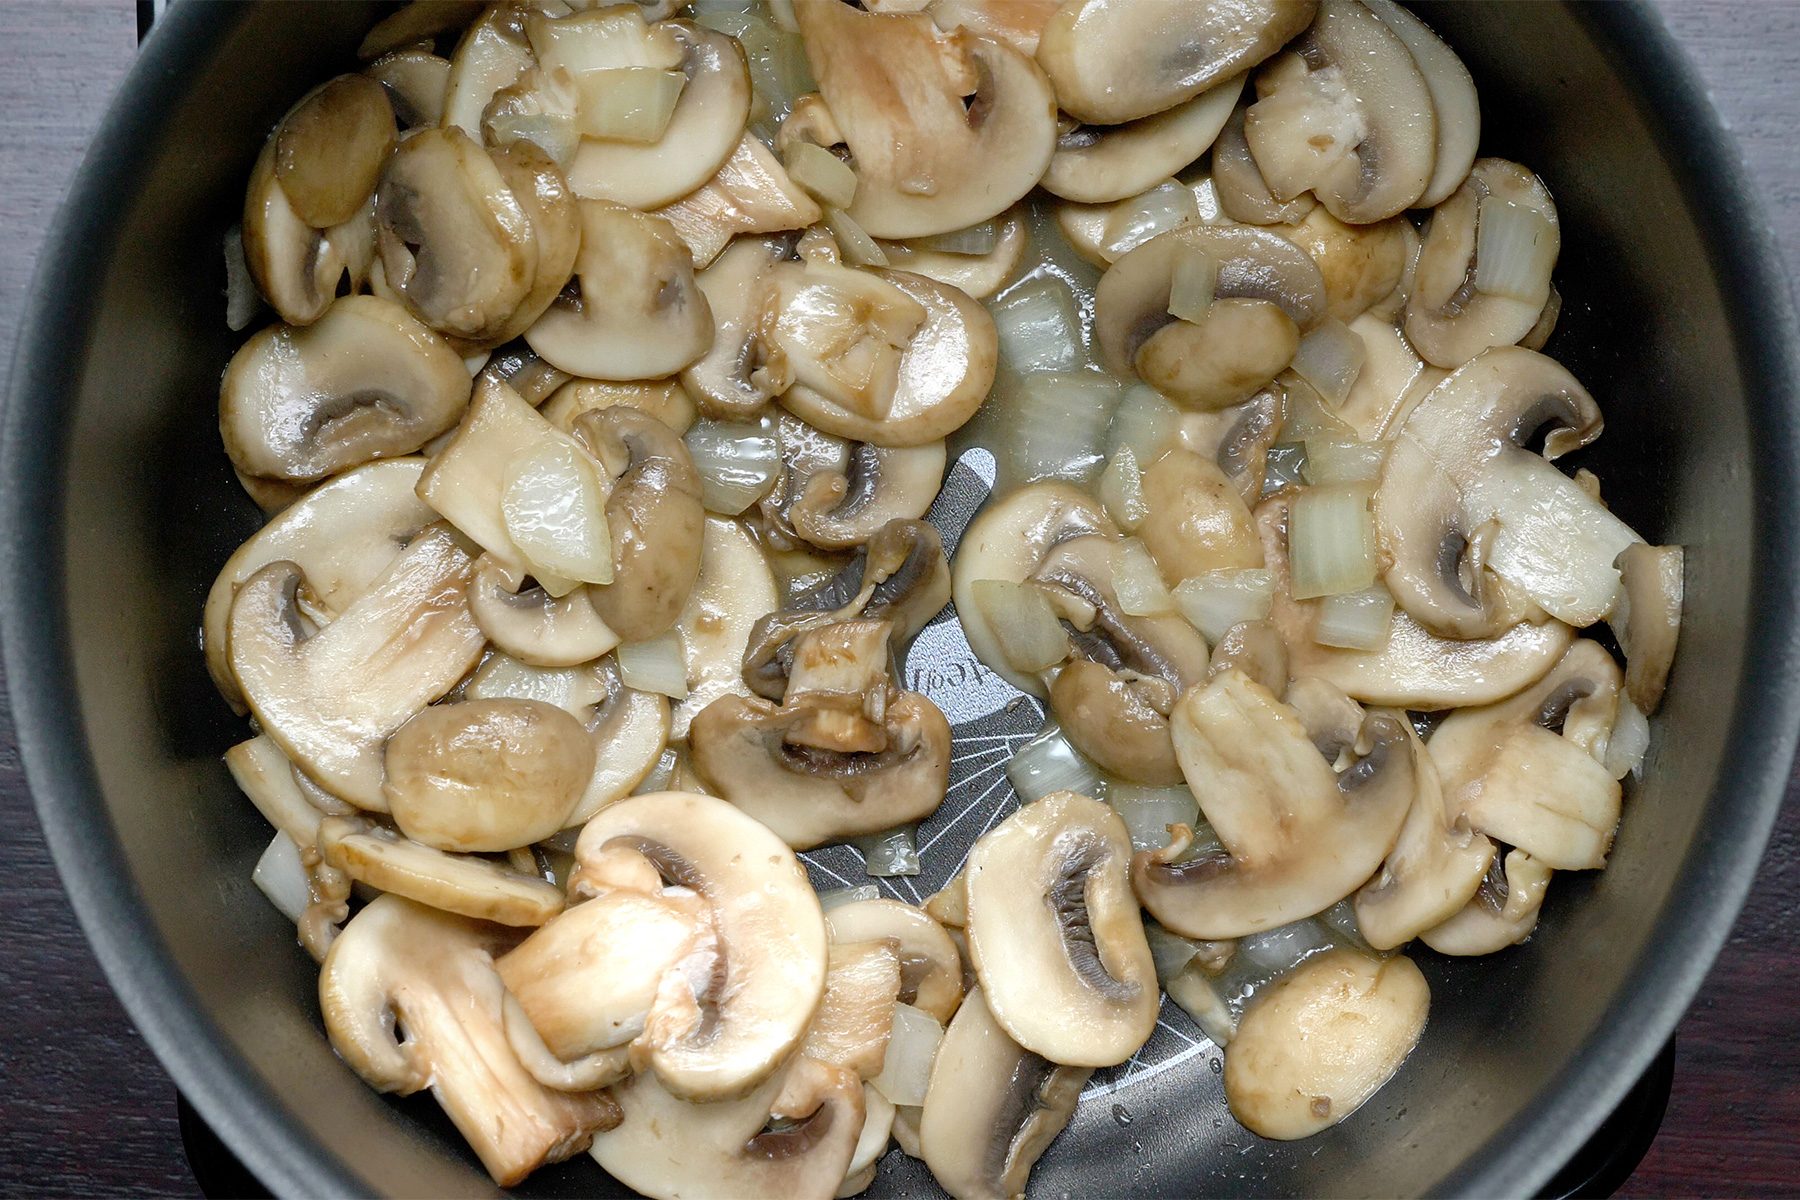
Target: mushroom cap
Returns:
[[1095, 164], [330, 700], [1117, 60], [330, 148], [532, 625], [992, 1107], [1257, 649], [1055, 934], [1360, 264], [735, 590], [1323, 1039], [537, 184], [730, 379], [742, 1022], [1503, 912], [630, 732], [664, 399], [1391, 383], [364, 381], [1196, 520], [416, 82], [486, 775], [930, 964], [1243, 193], [478, 888], [1298, 837]]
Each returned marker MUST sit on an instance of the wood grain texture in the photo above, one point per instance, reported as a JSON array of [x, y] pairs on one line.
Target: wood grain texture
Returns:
[[86, 1110]]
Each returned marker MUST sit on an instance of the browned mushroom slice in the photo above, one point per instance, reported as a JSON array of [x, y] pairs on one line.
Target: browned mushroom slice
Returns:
[[856, 1017], [1361, 264], [733, 379], [532, 625], [1095, 164], [416, 81], [417, 21], [1647, 618], [664, 399], [735, 591], [838, 510], [1243, 193], [330, 147], [752, 193], [297, 268], [1196, 520], [1256, 650], [520, 367], [538, 186], [478, 888], [1452, 95], [1503, 912], [930, 966]]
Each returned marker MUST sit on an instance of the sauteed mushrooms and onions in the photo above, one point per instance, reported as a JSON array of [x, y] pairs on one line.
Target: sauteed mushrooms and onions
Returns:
[[622, 363]]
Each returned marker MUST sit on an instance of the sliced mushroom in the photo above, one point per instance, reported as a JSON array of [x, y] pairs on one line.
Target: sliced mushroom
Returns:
[[1317, 1044], [706, 126], [1361, 264], [1345, 114], [1239, 438], [664, 399], [838, 510], [752, 193], [365, 381], [721, 1037], [735, 590], [538, 185], [1196, 519], [630, 731], [519, 367], [1104, 233], [1476, 528], [871, 1144], [979, 275], [1018, 23], [1391, 383], [1244, 194], [1415, 668], [478, 888], [793, 1137], [992, 1107], [930, 965], [297, 268], [416, 82], [1449, 318], [656, 520], [264, 774], [1257, 651], [491, 55], [1452, 95], [732, 378], [1503, 912], [1055, 934], [944, 130], [1647, 618], [1115, 60], [414, 22], [856, 1017], [1298, 837], [486, 775], [431, 974], [330, 699], [1095, 164], [330, 147], [532, 625]]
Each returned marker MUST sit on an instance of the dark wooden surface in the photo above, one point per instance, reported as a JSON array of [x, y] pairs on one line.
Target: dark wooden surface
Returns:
[[86, 1110]]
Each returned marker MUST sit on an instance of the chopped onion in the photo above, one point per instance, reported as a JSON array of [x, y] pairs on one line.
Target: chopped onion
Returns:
[[1060, 422], [1149, 811], [975, 239], [1138, 582], [1039, 327], [1308, 416], [1330, 358], [1122, 489], [626, 104], [1629, 740], [1134, 222], [1331, 541], [839, 897], [1284, 467], [1199, 997], [1515, 250], [1169, 951], [737, 464], [1048, 763], [783, 13], [1030, 636], [657, 665], [280, 877], [503, 677], [889, 854], [1357, 620], [911, 1047], [854, 244], [779, 72], [1145, 423], [555, 513], [822, 173], [1337, 460], [1341, 919], [600, 39], [553, 133], [242, 300], [1214, 601], [1196, 275]]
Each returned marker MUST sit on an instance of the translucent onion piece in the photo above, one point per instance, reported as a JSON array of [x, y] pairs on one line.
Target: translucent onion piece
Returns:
[[599, 40], [976, 239], [242, 301], [1308, 415], [626, 104], [1171, 952], [657, 665], [1048, 763], [737, 464], [1191, 287], [1039, 327], [1216, 600], [553, 133], [857, 247], [503, 677], [1149, 811], [888, 854], [1060, 423], [838, 897], [822, 173], [555, 513], [779, 72], [1331, 541], [1339, 460], [1630, 739], [1355, 620], [1122, 489], [1285, 467], [1141, 590], [911, 1047], [1330, 358], [280, 877], [1200, 998], [1145, 423], [1515, 251], [1162, 208], [1030, 636]]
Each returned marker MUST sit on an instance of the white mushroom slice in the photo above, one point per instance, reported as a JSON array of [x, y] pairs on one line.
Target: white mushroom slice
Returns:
[[669, 1150], [264, 774], [871, 1144], [1317, 1044], [1475, 527], [1243, 193], [992, 1108], [486, 775], [532, 625], [1008, 541], [944, 367], [365, 381], [1117, 60], [1361, 264], [332, 698], [664, 399], [537, 184], [1018, 23], [1547, 796], [930, 965], [432, 975], [342, 535], [1415, 668], [1500, 229], [1391, 383], [417, 21], [842, 509], [718, 1037], [944, 130], [1196, 520], [1298, 837], [492, 54], [1095, 164], [1647, 618], [630, 731], [704, 129], [752, 193], [1345, 114], [1452, 95], [1055, 934], [478, 888], [735, 590], [298, 268], [732, 380], [856, 1017], [1239, 439], [416, 82], [1503, 913], [575, 690], [1580, 695], [977, 275]]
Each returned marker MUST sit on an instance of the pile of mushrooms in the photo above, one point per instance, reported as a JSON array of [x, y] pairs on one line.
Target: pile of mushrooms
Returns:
[[618, 353]]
